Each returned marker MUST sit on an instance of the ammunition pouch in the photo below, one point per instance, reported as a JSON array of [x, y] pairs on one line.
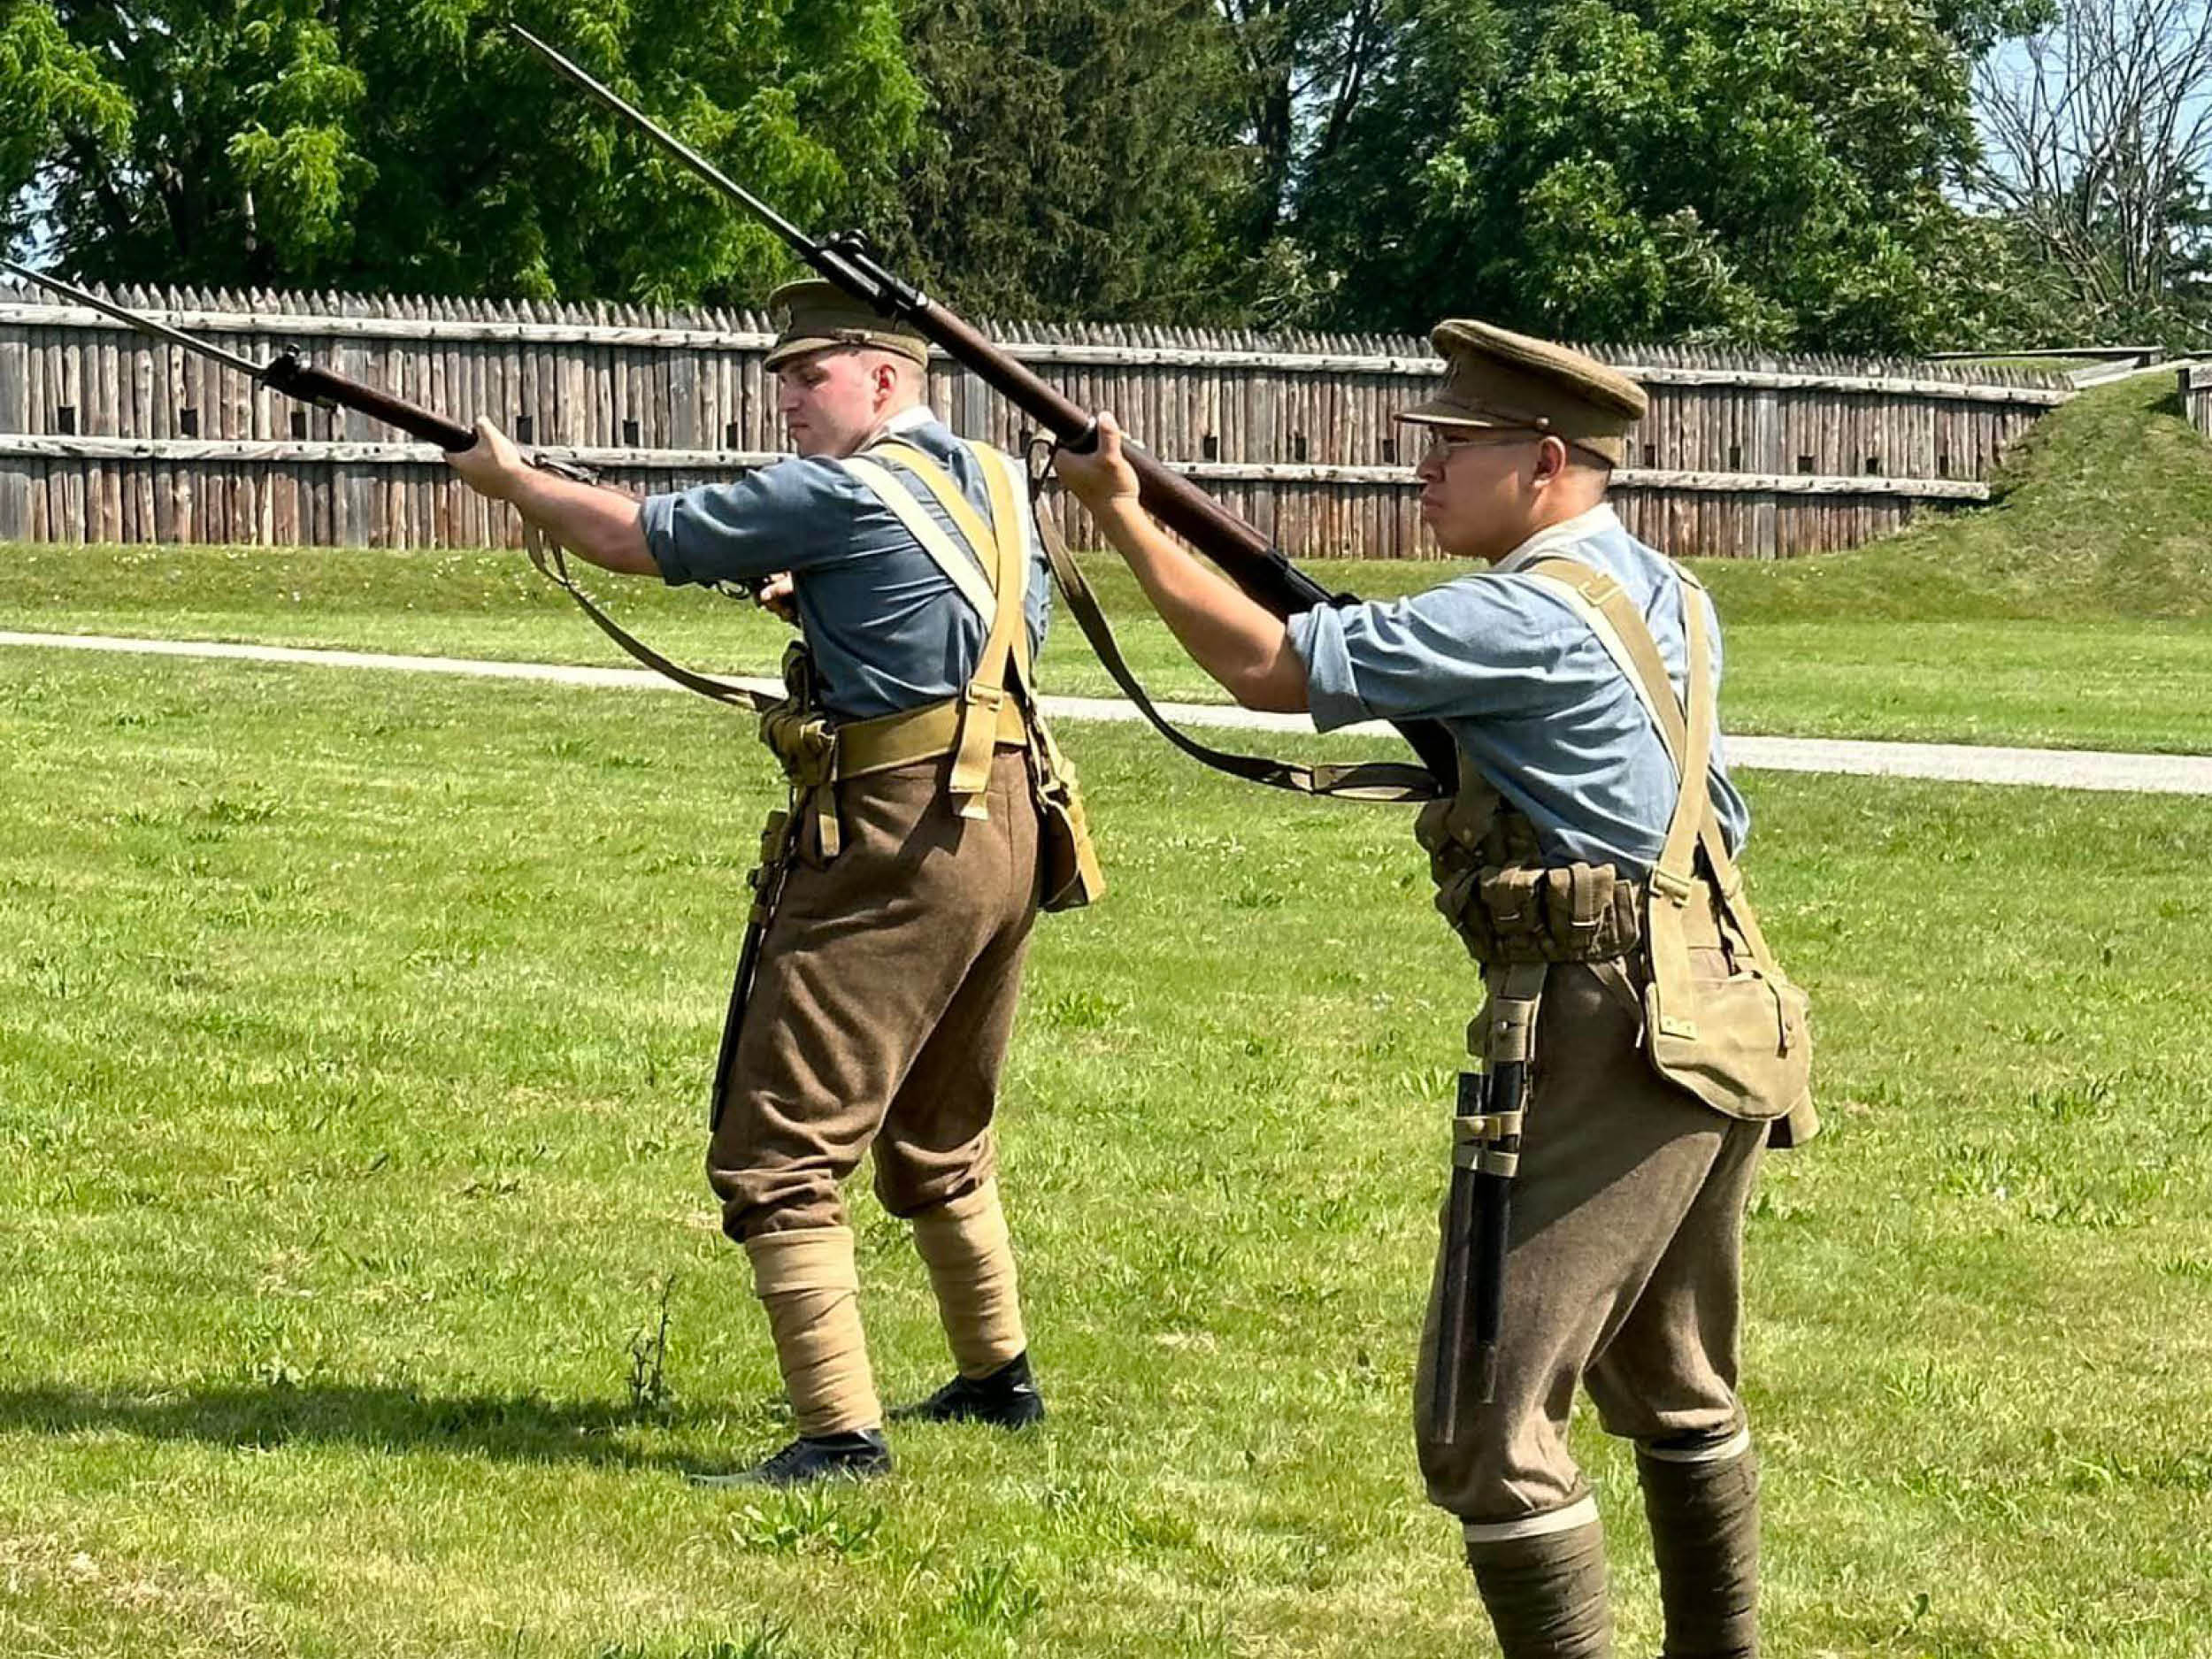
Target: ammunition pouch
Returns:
[[804, 742], [1508, 908]]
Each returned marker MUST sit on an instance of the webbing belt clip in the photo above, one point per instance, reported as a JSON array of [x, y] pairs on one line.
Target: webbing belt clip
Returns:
[[979, 710], [1512, 1031], [1487, 1159]]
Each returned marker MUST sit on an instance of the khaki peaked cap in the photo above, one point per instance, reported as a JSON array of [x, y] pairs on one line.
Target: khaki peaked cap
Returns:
[[1495, 378], [817, 314]]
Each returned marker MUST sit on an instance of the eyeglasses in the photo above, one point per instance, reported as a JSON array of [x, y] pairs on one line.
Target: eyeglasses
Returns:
[[1438, 448]]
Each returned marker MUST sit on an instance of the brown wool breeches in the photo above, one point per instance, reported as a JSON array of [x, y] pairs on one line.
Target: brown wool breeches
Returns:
[[882, 1006], [1624, 1268]]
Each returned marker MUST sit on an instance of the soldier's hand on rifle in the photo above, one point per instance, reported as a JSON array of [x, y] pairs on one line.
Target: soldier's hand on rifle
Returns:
[[1103, 476], [778, 595], [492, 466]]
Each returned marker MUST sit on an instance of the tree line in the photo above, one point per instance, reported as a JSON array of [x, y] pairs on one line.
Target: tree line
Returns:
[[1839, 175]]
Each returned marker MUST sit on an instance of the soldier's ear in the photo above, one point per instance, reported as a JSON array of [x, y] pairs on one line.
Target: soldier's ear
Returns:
[[1551, 459]]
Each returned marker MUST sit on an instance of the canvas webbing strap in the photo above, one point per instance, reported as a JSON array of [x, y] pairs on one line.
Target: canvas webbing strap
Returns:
[[1694, 801], [912, 734], [1388, 781], [1600, 601], [984, 699], [980, 537], [1686, 732], [1012, 523], [967, 574]]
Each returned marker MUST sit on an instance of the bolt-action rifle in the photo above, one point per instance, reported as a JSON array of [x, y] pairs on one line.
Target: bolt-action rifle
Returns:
[[288, 373], [1249, 559]]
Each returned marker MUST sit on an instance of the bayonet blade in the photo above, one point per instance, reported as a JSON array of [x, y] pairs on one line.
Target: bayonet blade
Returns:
[[144, 324], [800, 242]]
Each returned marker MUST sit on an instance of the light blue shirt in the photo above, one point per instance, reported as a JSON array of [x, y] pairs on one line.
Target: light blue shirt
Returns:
[[1530, 692], [887, 627]]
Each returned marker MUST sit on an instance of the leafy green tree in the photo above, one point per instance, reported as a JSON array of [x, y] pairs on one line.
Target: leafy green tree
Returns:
[[408, 145], [1766, 170], [52, 92], [1304, 69], [1077, 160]]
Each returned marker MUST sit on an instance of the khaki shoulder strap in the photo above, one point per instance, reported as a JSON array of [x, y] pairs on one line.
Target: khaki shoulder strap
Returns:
[[983, 536], [1010, 496], [1606, 609], [1005, 547], [973, 579], [1686, 732]]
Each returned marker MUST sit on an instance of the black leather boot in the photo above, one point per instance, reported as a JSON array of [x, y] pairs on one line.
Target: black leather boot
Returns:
[[857, 1455], [1006, 1399]]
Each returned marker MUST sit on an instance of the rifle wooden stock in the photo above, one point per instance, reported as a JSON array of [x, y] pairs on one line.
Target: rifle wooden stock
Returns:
[[295, 379]]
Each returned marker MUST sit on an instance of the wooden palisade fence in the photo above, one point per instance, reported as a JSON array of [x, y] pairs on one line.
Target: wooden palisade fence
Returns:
[[107, 436], [2196, 395]]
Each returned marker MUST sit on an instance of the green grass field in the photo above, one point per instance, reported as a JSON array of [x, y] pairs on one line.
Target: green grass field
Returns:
[[352, 1046], [353, 1041], [2076, 613]]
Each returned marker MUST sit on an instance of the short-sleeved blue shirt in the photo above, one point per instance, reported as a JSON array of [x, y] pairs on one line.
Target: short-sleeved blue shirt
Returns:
[[1531, 694], [887, 628]]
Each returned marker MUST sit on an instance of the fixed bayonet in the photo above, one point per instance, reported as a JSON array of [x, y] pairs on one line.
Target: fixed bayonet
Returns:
[[145, 325], [285, 372]]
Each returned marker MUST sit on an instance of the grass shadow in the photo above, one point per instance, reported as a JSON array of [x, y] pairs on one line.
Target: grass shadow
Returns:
[[513, 1427]]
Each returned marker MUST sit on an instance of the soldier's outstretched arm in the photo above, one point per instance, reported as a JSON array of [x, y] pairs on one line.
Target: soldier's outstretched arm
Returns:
[[602, 525], [1241, 644]]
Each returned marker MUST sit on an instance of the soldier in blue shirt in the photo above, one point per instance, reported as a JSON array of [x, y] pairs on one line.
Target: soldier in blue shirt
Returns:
[[1564, 673], [906, 878]]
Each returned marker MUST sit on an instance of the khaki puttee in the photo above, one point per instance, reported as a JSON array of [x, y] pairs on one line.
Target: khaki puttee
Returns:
[[970, 1255], [807, 1279]]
